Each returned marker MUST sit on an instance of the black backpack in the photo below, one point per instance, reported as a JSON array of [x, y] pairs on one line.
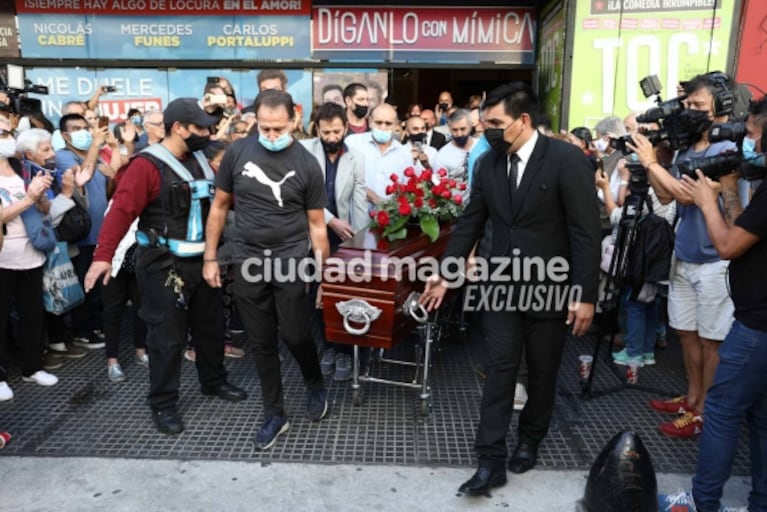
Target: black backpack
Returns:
[[650, 257], [75, 224]]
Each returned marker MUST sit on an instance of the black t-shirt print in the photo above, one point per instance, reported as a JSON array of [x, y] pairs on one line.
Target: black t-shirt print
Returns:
[[273, 191]]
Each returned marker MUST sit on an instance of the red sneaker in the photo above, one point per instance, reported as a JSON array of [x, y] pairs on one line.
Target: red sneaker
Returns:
[[685, 426], [676, 405]]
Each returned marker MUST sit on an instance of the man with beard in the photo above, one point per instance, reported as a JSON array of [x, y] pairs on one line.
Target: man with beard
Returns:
[[454, 156], [356, 100], [168, 186]]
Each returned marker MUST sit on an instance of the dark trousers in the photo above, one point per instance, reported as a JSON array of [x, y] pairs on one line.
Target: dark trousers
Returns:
[[114, 296], [57, 330], [168, 322], [507, 335], [265, 307], [24, 289], [87, 317]]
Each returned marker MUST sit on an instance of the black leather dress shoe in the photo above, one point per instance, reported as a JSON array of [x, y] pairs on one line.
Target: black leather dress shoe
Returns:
[[523, 459], [226, 391], [483, 480], [167, 421]]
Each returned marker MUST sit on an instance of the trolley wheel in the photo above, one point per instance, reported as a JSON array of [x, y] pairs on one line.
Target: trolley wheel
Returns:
[[357, 397], [425, 407]]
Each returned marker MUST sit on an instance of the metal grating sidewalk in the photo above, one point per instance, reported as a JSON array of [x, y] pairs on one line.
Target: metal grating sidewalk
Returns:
[[86, 415]]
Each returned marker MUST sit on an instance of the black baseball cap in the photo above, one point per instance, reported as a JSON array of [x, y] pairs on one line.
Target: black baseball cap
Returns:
[[187, 110]]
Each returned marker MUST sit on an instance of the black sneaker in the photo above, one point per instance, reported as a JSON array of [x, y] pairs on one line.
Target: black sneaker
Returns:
[[317, 404], [270, 430], [91, 341]]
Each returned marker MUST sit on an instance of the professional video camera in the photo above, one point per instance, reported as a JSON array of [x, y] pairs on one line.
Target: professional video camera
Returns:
[[679, 127], [15, 86]]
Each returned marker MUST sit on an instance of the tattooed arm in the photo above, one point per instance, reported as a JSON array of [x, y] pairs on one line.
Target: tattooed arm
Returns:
[[730, 198]]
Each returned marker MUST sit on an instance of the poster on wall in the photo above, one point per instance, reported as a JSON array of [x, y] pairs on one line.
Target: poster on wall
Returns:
[[9, 42], [753, 47], [424, 34], [614, 48], [330, 83], [551, 60], [149, 89]]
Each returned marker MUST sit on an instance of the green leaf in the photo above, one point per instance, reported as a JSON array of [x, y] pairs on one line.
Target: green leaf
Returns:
[[396, 226], [430, 226], [398, 235]]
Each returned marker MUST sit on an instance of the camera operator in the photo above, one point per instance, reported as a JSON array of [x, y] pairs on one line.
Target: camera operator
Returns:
[[739, 385], [699, 307]]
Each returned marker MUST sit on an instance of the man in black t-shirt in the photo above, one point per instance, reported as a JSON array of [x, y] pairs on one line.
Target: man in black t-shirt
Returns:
[[740, 387], [279, 209]]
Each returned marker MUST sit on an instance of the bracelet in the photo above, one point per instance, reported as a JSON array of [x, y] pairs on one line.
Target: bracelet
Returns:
[[213, 260], [649, 164]]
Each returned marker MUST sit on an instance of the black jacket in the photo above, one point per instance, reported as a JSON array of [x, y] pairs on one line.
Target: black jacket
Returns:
[[437, 140], [553, 213]]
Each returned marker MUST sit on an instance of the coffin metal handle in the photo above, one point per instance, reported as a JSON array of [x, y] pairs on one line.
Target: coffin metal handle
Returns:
[[416, 310], [359, 312]]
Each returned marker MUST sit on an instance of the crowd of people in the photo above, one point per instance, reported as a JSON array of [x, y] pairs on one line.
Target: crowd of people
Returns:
[[160, 214]]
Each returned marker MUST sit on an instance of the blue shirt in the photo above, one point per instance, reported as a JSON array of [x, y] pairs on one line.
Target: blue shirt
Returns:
[[692, 243], [480, 146], [96, 191]]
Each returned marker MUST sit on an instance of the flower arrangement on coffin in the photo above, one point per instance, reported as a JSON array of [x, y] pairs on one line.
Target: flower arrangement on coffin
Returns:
[[427, 199]]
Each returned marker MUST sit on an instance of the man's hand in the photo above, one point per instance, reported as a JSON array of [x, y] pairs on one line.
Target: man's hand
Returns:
[[100, 135], [96, 270], [83, 174], [600, 179], [643, 149], [433, 293], [342, 228], [67, 183], [580, 315], [704, 191], [211, 273]]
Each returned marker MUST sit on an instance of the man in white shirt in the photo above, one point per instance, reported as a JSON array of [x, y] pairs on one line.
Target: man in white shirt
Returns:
[[423, 155], [454, 156], [384, 155]]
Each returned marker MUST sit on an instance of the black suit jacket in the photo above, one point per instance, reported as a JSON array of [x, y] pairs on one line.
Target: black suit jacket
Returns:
[[553, 213], [437, 140]]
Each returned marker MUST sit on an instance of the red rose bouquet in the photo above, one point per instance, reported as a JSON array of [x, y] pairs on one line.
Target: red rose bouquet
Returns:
[[425, 198]]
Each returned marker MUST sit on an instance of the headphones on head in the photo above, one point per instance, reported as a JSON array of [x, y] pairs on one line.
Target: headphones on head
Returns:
[[724, 99]]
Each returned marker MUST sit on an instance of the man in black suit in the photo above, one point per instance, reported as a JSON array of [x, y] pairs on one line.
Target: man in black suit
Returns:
[[539, 194], [433, 138]]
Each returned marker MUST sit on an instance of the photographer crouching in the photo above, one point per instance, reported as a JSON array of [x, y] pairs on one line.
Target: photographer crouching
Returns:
[[699, 306], [739, 387]]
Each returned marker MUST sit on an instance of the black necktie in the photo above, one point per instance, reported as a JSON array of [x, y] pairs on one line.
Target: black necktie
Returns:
[[513, 170]]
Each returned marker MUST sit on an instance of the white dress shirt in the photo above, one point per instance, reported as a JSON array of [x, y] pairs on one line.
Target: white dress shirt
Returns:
[[524, 153]]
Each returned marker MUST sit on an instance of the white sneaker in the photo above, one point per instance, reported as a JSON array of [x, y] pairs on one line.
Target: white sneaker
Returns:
[[6, 393], [42, 377], [520, 397]]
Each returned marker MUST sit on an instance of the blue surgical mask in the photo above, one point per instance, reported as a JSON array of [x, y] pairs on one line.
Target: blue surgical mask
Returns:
[[750, 155], [382, 136], [277, 144], [137, 120], [82, 139]]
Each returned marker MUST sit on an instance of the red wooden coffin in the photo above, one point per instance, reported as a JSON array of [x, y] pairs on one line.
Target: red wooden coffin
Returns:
[[375, 289]]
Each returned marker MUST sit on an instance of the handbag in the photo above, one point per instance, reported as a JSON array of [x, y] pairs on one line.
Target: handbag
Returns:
[[76, 222], [62, 290], [39, 229]]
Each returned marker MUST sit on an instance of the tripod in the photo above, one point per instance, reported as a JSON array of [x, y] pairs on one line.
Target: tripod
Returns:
[[610, 303]]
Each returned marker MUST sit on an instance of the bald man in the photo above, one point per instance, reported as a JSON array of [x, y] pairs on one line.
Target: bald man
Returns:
[[383, 154]]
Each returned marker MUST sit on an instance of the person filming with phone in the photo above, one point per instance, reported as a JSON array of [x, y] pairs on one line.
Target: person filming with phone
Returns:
[[423, 155]]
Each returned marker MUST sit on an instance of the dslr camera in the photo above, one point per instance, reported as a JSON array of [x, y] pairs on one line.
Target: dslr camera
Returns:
[[714, 167], [16, 86]]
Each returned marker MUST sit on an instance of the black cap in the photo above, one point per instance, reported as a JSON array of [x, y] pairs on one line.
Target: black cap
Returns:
[[187, 110]]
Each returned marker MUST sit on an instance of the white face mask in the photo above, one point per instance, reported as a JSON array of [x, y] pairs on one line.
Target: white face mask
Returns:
[[8, 147], [601, 145]]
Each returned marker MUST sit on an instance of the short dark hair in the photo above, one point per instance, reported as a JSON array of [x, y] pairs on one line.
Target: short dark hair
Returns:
[[273, 98], [351, 89], [213, 85], [329, 111], [214, 148], [332, 87], [544, 121], [758, 109], [269, 74], [713, 82], [582, 133], [518, 98], [134, 111], [67, 118]]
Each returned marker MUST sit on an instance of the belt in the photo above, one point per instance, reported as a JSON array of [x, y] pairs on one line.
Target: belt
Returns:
[[180, 248]]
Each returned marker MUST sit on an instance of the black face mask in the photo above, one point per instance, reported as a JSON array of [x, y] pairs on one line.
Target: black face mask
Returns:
[[461, 141], [473, 131], [495, 139], [332, 147], [50, 164], [360, 111], [417, 137], [196, 142]]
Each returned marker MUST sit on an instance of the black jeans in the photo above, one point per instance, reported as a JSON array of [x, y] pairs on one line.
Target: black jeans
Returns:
[[87, 317], [114, 296], [168, 321], [265, 307], [507, 334], [24, 288]]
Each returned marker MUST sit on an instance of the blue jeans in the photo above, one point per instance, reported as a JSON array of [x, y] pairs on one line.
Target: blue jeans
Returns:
[[641, 324], [739, 389]]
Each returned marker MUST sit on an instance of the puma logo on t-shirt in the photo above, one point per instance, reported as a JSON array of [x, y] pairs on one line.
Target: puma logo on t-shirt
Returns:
[[254, 171]]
